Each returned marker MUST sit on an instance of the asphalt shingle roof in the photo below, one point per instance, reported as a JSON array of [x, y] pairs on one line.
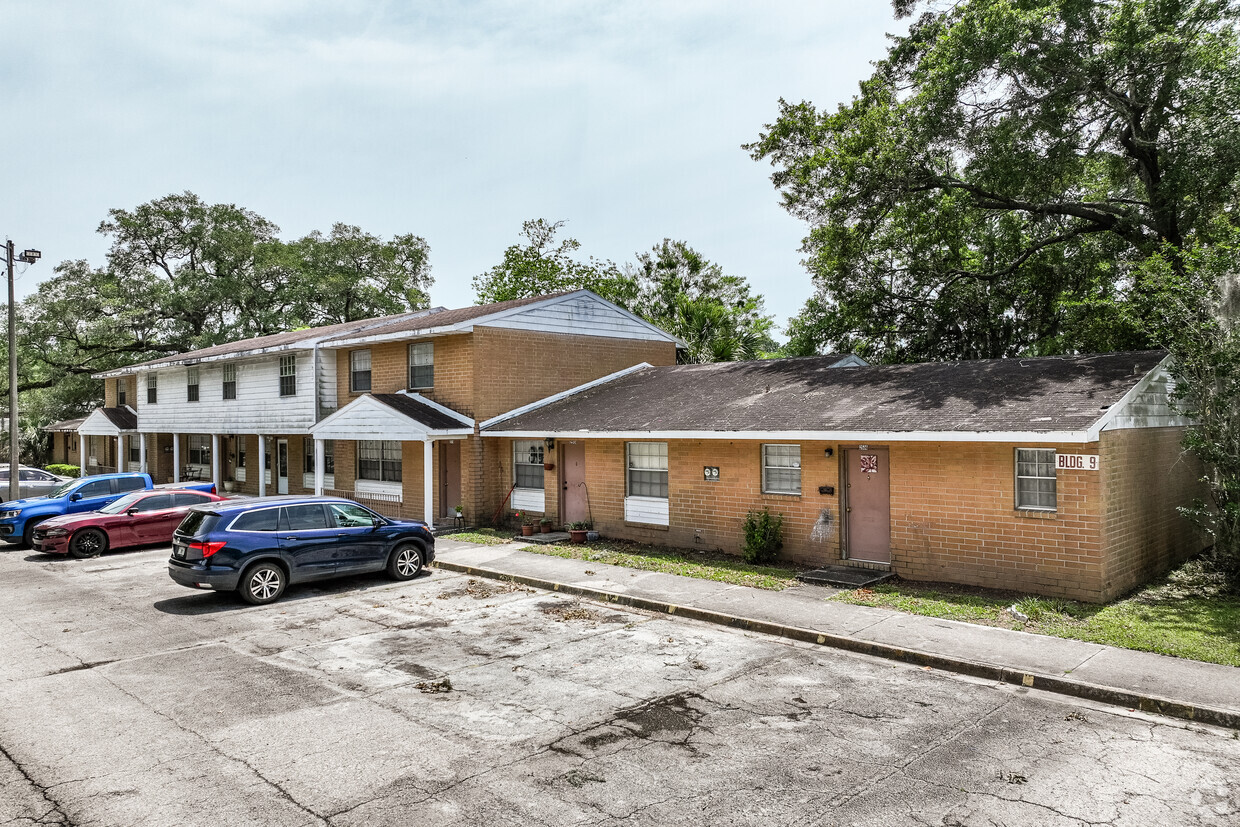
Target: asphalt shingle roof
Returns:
[[122, 418], [1039, 394], [419, 411]]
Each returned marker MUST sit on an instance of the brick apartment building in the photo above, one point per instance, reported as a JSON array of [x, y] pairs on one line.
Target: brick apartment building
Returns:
[[1053, 475], [1059, 476]]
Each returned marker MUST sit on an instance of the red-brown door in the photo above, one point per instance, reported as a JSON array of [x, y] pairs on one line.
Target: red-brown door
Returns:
[[449, 477], [576, 499], [867, 504]]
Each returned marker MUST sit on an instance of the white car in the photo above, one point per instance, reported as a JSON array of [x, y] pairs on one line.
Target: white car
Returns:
[[35, 482]]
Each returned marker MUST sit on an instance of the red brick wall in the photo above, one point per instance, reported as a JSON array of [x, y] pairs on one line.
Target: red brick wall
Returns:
[[1147, 475], [953, 515]]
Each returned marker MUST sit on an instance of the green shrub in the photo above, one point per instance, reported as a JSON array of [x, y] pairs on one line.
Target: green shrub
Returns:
[[764, 536], [64, 470]]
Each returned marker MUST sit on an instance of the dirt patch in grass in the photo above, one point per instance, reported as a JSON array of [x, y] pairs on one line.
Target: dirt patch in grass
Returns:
[[1187, 614], [482, 536], [704, 565]]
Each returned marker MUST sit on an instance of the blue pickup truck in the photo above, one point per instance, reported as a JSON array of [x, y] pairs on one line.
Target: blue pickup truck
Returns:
[[19, 517]]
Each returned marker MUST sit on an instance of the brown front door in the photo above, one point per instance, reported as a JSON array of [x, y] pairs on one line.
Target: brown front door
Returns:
[[449, 477], [867, 504], [576, 499]]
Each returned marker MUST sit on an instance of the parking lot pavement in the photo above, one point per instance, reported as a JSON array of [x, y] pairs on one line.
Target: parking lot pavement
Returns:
[[129, 700]]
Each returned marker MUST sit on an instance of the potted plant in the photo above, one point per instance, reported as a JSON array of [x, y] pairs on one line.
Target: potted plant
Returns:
[[577, 531], [545, 525], [527, 527], [230, 485], [459, 512]]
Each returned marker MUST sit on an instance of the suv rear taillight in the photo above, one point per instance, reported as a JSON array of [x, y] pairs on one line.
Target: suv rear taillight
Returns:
[[205, 548]]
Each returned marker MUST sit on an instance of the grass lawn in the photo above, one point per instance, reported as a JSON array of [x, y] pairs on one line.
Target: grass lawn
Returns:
[[482, 536], [1185, 614], [705, 565]]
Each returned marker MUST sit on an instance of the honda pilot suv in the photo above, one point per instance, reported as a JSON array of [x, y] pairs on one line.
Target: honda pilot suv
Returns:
[[259, 547]]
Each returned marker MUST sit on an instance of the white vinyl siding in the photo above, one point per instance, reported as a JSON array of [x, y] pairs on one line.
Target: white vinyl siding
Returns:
[[781, 469], [256, 406], [646, 483], [1035, 479], [579, 316], [421, 365]]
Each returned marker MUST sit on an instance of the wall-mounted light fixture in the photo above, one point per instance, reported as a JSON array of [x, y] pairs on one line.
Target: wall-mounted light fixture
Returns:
[[829, 452], [550, 442]]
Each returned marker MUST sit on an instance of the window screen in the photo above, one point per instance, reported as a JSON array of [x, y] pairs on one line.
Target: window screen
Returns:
[[378, 460], [527, 463], [781, 469], [422, 365], [647, 469], [288, 375], [359, 371], [1035, 478]]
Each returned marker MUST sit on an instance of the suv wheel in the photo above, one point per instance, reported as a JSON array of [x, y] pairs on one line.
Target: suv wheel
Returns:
[[405, 562], [89, 542], [262, 584]]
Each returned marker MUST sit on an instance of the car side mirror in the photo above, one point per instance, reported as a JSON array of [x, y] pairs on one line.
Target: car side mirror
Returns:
[[75, 496], [132, 511]]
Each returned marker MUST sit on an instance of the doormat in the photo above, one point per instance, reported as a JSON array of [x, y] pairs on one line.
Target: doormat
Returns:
[[845, 577]]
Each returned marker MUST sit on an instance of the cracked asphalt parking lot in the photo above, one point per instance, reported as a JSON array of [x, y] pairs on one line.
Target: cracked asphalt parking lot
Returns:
[[128, 700]]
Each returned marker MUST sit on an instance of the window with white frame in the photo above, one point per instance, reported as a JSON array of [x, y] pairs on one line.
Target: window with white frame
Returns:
[[199, 449], [647, 469], [378, 460], [122, 397], [230, 382], [288, 375], [1035, 479], [359, 371], [781, 469], [527, 463], [135, 451], [152, 388], [421, 365], [329, 456], [239, 449], [191, 384]]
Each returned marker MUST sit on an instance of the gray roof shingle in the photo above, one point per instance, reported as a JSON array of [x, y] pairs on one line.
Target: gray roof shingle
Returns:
[[1043, 394], [419, 411]]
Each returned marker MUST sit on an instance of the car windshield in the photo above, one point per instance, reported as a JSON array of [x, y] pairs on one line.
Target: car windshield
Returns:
[[123, 504], [62, 490]]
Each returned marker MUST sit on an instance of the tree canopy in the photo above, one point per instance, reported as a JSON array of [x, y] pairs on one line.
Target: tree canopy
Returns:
[[673, 286], [183, 274], [995, 182]]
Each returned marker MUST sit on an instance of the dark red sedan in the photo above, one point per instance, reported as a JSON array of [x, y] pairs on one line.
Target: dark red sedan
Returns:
[[137, 519]]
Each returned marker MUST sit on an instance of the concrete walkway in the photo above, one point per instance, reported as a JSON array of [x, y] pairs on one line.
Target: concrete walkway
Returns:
[[1153, 683]]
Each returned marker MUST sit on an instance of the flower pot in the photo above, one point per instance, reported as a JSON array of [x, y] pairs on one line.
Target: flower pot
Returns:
[[545, 527], [229, 486], [548, 466], [577, 536], [527, 530]]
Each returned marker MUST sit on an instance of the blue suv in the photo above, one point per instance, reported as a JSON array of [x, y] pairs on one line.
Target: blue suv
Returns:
[[258, 547]]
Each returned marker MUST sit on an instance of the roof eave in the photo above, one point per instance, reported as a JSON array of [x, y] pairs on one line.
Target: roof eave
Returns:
[[1076, 437]]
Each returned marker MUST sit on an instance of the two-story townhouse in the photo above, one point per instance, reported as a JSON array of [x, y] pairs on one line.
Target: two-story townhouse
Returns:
[[381, 409], [410, 393]]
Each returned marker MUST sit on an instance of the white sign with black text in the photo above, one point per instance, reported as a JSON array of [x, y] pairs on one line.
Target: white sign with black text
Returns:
[[1076, 462]]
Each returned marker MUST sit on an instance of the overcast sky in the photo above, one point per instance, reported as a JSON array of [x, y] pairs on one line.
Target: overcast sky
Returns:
[[455, 121]]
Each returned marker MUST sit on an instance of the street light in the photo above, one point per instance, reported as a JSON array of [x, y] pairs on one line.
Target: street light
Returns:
[[27, 257]]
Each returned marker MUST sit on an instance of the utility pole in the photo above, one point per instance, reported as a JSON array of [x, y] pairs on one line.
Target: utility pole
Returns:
[[27, 257]]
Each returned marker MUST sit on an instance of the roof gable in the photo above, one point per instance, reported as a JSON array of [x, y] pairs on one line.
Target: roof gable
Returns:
[[394, 416]]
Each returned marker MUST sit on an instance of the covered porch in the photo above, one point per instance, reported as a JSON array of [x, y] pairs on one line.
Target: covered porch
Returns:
[[386, 446], [102, 428]]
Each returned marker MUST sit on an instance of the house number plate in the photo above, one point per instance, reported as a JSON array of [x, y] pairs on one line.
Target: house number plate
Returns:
[[1076, 462], [710, 473]]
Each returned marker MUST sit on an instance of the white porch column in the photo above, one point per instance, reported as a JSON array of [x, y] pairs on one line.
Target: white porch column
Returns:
[[121, 464], [215, 461], [428, 481], [262, 465], [83, 447], [176, 457], [142, 453], [320, 456]]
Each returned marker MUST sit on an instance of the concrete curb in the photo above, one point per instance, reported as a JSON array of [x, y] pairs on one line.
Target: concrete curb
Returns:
[[1049, 683]]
